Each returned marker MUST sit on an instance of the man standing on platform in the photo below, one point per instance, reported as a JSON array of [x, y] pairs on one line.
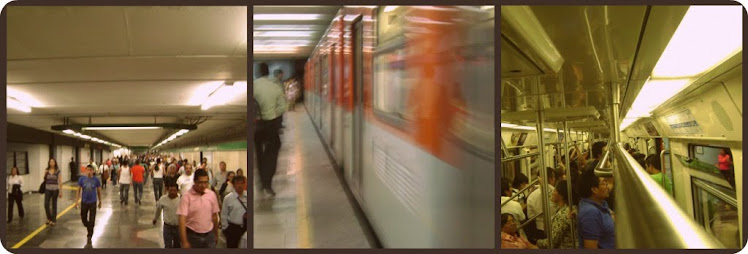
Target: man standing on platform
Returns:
[[271, 105]]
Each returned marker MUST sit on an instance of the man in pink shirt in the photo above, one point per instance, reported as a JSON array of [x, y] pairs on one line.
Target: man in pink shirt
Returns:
[[198, 215]]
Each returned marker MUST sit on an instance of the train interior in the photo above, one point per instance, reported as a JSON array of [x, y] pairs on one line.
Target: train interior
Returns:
[[393, 105], [87, 84], [660, 81]]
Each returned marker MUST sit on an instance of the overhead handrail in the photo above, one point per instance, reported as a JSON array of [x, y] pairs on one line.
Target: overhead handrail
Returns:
[[603, 167], [662, 160], [520, 191], [647, 216], [528, 221], [517, 157]]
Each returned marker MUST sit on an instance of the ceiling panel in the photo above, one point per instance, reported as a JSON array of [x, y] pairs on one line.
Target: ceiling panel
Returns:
[[289, 45]]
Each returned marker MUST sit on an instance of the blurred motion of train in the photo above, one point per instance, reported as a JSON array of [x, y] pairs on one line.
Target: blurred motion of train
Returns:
[[664, 80], [404, 98]]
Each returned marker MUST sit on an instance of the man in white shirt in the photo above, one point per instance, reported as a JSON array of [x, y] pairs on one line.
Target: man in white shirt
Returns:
[[169, 203], [187, 180], [272, 104], [535, 201], [512, 207]]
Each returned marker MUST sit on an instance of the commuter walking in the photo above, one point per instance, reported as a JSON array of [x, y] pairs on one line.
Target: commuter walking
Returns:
[[125, 180], [234, 213], [52, 183], [137, 181], [168, 204], [198, 215], [15, 195], [272, 104], [89, 192]]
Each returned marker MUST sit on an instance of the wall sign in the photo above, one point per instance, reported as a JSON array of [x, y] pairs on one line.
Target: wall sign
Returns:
[[683, 122]]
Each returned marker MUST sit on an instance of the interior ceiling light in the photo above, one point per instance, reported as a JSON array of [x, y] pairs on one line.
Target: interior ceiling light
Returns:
[[202, 92], [122, 128], [68, 131], [285, 28], [390, 8], [17, 105], [224, 94], [296, 16], [282, 34], [706, 37]]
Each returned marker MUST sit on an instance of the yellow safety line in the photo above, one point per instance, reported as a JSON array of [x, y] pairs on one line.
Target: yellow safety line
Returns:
[[302, 223], [22, 242]]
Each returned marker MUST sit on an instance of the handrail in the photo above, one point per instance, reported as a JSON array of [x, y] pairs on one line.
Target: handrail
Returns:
[[647, 216], [528, 221], [602, 171], [662, 160], [517, 157], [520, 191]]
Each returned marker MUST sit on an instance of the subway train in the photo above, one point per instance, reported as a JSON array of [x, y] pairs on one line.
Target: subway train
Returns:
[[661, 81], [404, 99]]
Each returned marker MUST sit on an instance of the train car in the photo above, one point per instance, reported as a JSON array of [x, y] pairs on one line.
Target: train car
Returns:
[[404, 98], [660, 81]]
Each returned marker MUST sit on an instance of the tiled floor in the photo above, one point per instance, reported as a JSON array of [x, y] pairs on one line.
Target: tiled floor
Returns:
[[311, 209], [117, 226]]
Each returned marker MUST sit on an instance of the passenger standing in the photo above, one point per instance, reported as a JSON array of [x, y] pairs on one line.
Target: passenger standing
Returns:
[[535, 204], [158, 180], [234, 213], [186, 181], [220, 178], [597, 152], [595, 224], [512, 207], [115, 170], [198, 215], [137, 181], [240, 172], [562, 221], [168, 204], [15, 195], [52, 183], [272, 105], [227, 187], [125, 180], [520, 182], [90, 187], [654, 170], [73, 169], [725, 166], [104, 174]]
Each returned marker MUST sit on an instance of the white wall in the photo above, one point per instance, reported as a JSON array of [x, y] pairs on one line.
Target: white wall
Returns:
[[63, 155], [38, 158], [234, 160]]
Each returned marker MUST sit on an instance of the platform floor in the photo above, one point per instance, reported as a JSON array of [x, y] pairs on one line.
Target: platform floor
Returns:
[[117, 226], [311, 209]]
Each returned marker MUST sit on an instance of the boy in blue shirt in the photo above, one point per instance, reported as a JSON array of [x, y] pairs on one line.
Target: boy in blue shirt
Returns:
[[595, 224], [90, 188]]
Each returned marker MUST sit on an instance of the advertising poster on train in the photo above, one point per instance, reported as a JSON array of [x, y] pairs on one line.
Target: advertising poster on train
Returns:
[[683, 122]]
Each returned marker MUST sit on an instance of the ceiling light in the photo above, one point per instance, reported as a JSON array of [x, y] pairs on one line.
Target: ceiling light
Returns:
[[17, 105], [68, 131], [202, 92], [286, 27], [24, 98], [654, 93], [296, 16], [122, 128], [77, 134], [224, 94], [706, 37], [283, 34], [390, 8], [85, 137]]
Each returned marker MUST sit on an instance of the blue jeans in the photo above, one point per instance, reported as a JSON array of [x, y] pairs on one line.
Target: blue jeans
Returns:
[[158, 185], [138, 191], [198, 240], [171, 237], [50, 198], [124, 192]]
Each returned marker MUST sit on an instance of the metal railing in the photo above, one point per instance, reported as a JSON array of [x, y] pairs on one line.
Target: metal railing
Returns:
[[520, 192], [646, 216]]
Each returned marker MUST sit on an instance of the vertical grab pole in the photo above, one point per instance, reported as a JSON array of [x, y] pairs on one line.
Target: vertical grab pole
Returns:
[[543, 172], [568, 176]]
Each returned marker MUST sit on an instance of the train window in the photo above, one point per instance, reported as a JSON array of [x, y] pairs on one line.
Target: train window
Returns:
[[714, 160], [715, 208], [392, 85], [17, 159]]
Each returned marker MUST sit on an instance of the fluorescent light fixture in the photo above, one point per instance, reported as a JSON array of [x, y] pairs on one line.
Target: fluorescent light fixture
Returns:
[[282, 34], [487, 7], [529, 32], [653, 94], [201, 93], [68, 131], [85, 137], [77, 134], [95, 139], [24, 98], [224, 94], [390, 8], [17, 105], [362, 6], [122, 128], [706, 37], [296, 16], [282, 43], [286, 27]]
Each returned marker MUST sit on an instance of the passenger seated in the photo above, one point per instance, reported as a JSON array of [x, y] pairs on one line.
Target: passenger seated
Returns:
[[562, 221], [510, 239], [654, 170], [595, 225]]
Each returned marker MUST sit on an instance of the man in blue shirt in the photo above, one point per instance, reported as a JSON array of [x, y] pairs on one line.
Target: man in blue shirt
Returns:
[[90, 187], [595, 219]]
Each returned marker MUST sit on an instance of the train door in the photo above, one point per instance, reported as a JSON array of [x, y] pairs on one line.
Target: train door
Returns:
[[333, 99], [358, 104]]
